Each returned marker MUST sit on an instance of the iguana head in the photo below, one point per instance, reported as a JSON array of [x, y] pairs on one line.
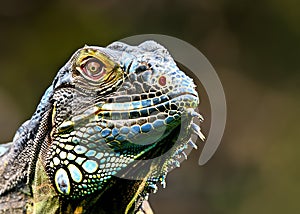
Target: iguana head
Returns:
[[112, 107]]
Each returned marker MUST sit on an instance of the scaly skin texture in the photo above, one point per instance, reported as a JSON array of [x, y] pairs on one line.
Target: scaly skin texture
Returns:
[[112, 124]]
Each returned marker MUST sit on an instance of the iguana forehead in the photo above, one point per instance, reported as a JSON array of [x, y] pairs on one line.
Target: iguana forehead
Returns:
[[150, 52]]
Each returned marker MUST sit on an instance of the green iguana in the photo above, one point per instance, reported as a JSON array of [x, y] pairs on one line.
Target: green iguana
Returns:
[[112, 124]]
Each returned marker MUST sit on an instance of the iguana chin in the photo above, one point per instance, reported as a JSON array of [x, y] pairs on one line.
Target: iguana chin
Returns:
[[112, 124]]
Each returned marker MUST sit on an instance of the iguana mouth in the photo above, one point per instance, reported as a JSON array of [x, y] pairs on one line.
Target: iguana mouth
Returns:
[[147, 106], [129, 112]]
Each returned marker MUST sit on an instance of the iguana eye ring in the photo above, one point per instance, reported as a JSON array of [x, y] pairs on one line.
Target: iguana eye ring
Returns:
[[94, 69]]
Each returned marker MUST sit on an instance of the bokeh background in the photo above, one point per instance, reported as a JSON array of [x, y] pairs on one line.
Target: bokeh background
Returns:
[[254, 47]]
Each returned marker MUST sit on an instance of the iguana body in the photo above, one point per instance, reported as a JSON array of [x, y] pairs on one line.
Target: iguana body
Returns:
[[109, 128]]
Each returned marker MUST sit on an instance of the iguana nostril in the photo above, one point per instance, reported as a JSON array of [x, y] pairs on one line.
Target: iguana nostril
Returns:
[[162, 80]]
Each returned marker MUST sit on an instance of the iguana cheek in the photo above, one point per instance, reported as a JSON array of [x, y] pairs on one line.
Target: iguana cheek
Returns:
[[62, 181]]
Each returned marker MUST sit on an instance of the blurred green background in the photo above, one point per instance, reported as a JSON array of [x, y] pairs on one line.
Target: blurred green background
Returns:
[[254, 47]]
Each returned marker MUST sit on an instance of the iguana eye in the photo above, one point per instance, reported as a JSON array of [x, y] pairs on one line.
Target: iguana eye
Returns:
[[94, 69]]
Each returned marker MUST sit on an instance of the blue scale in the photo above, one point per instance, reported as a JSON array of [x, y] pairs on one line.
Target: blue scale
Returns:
[[169, 120], [121, 138], [75, 173], [105, 132], [136, 129], [146, 103], [90, 166], [115, 131], [124, 130], [158, 123], [146, 127], [136, 104]]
